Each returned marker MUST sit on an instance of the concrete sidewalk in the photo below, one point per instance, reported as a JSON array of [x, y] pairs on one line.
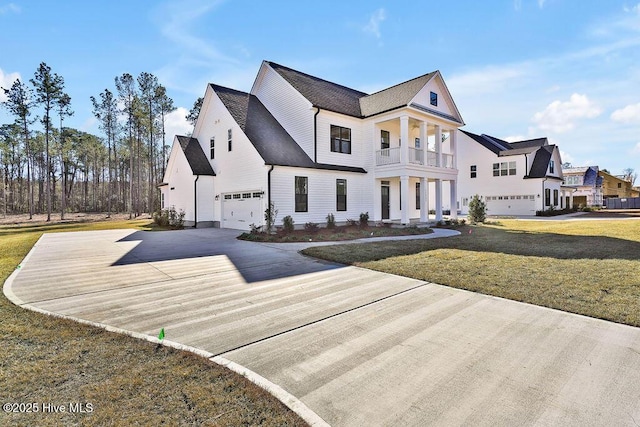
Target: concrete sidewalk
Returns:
[[357, 347]]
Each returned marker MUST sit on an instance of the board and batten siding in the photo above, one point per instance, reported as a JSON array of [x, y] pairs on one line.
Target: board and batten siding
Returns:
[[292, 110], [321, 195]]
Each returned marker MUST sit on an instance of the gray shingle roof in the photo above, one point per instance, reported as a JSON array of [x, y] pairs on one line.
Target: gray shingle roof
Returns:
[[195, 156], [270, 139], [322, 93], [394, 97], [501, 148]]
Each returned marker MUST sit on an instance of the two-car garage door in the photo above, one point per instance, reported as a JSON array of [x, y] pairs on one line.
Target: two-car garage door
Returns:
[[241, 209], [511, 205]]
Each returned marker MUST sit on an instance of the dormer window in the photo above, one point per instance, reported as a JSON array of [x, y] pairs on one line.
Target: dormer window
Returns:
[[433, 99]]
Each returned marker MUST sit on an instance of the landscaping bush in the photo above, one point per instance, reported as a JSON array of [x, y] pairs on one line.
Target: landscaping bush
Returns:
[[331, 221], [364, 219], [477, 210], [270, 217], [312, 227], [255, 229], [169, 218], [352, 223], [287, 223]]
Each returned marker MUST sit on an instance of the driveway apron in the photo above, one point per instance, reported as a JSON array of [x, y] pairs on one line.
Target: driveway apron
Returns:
[[358, 347]]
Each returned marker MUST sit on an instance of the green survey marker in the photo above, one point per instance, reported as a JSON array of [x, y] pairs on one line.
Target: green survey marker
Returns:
[[161, 334]]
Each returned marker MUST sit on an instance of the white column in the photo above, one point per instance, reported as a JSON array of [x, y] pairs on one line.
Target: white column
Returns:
[[438, 146], [424, 198], [423, 139], [438, 199], [404, 140], [453, 143], [404, 195], [453, 187]]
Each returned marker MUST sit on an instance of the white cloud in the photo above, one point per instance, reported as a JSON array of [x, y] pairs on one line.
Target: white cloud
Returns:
[[636, 149], [628, 114], [566, 157], [6, 80], [373, 26], [561, 116], [515, 138], [9, 8], [490, 79], [517, 4], [541, 3], [175, 123]]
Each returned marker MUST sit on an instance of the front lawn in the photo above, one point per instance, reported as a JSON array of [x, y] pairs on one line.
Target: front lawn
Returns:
[[586, 267], [126, 381]]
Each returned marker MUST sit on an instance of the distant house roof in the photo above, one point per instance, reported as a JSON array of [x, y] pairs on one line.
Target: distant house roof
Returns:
[[270, 139], [590, 176], [195, 156], [502, 148]]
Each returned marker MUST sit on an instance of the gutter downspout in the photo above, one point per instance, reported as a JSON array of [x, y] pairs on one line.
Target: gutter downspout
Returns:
[[195, 202], [315, 136], [269, 187], [544, 198]]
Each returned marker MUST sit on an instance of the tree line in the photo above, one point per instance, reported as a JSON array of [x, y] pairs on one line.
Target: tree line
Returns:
[[47, 167]]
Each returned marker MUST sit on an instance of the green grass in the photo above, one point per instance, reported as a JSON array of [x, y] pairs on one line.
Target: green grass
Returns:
[[586, 267], [127, 381]]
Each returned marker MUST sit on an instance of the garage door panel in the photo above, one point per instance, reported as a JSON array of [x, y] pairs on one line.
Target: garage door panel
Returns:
[[240, 210], [518, 205]]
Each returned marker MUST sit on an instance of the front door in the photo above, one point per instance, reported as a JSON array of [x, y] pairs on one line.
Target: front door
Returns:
[[384, 197]]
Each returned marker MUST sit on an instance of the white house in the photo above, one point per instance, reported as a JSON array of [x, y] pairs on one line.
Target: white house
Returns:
[[513, 178], [313, 147], [587, 184]]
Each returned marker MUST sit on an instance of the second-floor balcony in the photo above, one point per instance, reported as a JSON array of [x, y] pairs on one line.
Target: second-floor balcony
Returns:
[[417, 156]]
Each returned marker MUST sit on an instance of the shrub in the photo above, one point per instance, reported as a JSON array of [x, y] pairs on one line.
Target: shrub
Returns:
[[255, 229], [477, 210], [352, 222], [270, 217], [331, 221], [287, 223], [312, 227], [169, 218], [176, 219], [364, 219], [161, 218]]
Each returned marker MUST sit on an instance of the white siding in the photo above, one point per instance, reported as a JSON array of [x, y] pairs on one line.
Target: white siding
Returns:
[[287, 105], [445, 103], [485, 184], [242, 168], [359, 148], [322, 195], [180, 191]]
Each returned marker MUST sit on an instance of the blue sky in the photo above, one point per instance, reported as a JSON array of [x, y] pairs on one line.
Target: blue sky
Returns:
[[565, 69]]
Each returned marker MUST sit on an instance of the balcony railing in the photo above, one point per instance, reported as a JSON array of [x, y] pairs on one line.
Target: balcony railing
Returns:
[[390, 156]]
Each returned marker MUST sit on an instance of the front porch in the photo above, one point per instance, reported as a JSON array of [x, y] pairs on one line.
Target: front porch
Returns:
[[409, 200]]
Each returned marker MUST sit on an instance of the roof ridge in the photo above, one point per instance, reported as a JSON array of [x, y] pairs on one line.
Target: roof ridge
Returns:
[[316, 77], [404, 82]]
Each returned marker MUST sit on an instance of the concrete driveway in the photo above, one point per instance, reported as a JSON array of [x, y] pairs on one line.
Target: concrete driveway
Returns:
[[355, 346]]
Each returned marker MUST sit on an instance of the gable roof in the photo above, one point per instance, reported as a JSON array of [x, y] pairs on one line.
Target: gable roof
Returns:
[[322, 93], [393, 97], [270, 139], [195, 156], [541, 162], [502, 148], [351, 102]]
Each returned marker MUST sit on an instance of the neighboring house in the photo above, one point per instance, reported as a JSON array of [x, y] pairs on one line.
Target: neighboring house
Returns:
[[587, 185], [512, 178], [616, 186], [312, 147]]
